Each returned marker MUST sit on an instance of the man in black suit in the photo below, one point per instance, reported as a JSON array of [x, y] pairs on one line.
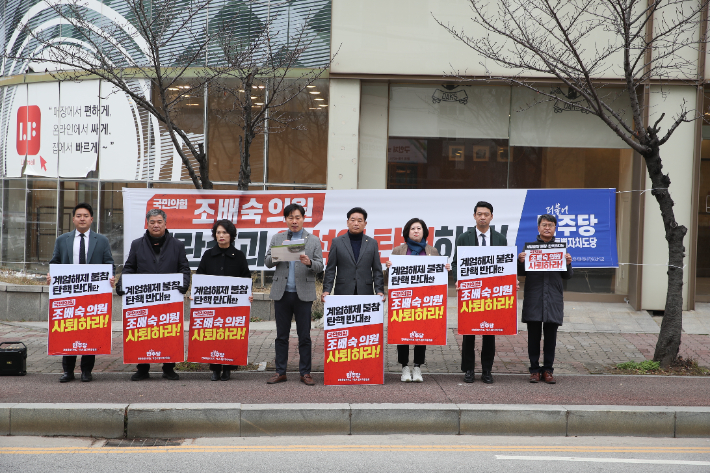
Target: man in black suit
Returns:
[[482, 235], [157, 252], [357, 260], [81, 246]]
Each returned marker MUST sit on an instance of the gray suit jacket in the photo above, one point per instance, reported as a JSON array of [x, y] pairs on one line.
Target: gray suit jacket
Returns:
[[99, 251], [363, 273], [305, 276]]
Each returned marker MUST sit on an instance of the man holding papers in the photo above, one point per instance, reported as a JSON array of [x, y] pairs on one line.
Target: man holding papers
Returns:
[[294, 289]]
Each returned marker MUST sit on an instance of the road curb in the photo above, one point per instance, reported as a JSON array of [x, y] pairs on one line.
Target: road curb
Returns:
[[249, 420]]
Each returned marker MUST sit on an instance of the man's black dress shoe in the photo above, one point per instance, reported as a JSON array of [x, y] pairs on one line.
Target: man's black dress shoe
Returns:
[[486, 377], [468, 377], [215, 375], [86, 376], [139, 375], [226, 374], [171, 375], [66, 377]]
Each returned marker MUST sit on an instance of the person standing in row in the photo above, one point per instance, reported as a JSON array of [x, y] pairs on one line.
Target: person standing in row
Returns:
[[82, 246], [354, 267], [157, 252], [543, 305], [223, 259], [482, 235], [293, 291], [415, 233]]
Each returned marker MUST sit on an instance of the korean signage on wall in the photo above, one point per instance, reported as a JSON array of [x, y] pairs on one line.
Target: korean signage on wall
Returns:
[[447, 212]]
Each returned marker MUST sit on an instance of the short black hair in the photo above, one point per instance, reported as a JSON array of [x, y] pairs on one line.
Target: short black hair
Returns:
[[291, 207], [228, 226], [485, 204], [358, 210], [548, 217], [408, 226], [83, 205]]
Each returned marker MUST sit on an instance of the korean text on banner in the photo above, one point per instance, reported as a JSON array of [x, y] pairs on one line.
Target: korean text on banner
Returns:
[[152, 318], [417, 291], [80, 297], [487, 290], [545, 256], [353, 340], [219, 320]]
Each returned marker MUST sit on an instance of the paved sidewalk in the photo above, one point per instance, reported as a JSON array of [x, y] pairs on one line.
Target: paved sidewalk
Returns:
[[594, 337]]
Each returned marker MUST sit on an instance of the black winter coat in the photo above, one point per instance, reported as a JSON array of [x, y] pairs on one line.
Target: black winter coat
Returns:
[[229, 263], [143, 260], [543, 298]]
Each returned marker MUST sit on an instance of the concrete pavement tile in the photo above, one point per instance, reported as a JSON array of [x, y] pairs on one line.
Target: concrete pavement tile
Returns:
[[183, 420], [404, 418], [295, 419], [521, 419], [79, 420], [651, 421], [692, 422]]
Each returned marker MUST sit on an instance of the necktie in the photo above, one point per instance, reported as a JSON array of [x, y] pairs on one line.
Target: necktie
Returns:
[[483, 239], [82, 250]]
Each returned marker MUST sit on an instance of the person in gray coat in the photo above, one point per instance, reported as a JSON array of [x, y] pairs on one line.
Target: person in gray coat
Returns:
[[356, 257], [543, 305], [293, 291]]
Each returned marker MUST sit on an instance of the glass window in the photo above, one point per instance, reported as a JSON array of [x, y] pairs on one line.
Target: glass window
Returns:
[[702, 280], [14, 221], [72, 193], [111, 217], [41, 223]]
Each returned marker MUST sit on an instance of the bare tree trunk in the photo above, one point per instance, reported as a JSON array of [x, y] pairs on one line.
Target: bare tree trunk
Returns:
[[668, 343], [204, 167], [245, 143]]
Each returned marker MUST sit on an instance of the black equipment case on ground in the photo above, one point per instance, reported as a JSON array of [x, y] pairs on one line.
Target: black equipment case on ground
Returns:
[[13, 359]]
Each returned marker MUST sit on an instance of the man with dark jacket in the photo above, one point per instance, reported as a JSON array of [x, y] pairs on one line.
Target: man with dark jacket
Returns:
[[543, 305], [157, 252], [82, 246], [482, 235], [354, 266]]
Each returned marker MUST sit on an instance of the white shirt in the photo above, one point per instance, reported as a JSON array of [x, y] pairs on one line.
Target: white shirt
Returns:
[[487, 234], [77, 243]]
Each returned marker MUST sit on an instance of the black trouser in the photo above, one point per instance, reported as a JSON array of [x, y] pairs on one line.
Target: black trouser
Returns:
[[289, 307], [468, 352], [145, 367], [216, 367], [86, 364], [535, 331], [403, 354]]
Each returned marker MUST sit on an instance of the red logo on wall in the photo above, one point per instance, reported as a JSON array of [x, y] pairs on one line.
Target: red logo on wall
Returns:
[[29, 120]]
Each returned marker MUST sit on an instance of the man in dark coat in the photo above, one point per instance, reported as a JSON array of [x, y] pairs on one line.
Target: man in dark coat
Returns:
[[543, 305], [157, 252], [82, 246], [482, 235]]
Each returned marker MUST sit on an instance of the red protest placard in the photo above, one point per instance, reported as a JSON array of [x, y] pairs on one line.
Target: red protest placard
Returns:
[[487, 295], [80, 304], [219, 320], [152, 318], [353, 340], [541, 256], [417, 296]]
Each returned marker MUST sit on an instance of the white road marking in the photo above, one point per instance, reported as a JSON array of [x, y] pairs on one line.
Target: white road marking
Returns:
[[604, 460]]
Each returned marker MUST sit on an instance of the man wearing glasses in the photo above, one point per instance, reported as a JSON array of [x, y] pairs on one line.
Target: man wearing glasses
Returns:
[[543, 307]]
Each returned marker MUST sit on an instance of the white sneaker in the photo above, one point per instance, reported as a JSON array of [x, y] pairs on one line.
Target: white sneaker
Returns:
[[406, 376], [417, 375]]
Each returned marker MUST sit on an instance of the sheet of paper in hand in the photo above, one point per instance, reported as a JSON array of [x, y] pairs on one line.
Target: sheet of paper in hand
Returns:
[[417, 296], [219, 320], [152, 318], [545, 256], [80, 297], [291, 250], [487, 295], [353, 328]]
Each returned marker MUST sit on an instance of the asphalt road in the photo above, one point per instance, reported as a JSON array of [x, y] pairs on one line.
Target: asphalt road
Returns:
[[440, 388], [360, 453]]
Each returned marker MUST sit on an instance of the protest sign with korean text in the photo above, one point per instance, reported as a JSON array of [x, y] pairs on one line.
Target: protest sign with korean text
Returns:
[[487, 295], [540, 256], [353, 340], [219, 320], [152, 318], [417, 292], [80, 297]]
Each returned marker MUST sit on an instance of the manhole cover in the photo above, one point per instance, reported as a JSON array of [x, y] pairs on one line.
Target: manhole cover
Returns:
[[143, 443]]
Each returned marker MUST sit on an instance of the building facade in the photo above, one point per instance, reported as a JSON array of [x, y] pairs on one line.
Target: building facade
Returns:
[[384, 116]]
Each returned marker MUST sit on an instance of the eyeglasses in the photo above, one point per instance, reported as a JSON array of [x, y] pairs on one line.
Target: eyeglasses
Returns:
[[547, 225]]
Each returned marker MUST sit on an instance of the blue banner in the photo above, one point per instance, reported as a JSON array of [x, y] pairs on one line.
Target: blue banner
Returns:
[[586, 221]]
